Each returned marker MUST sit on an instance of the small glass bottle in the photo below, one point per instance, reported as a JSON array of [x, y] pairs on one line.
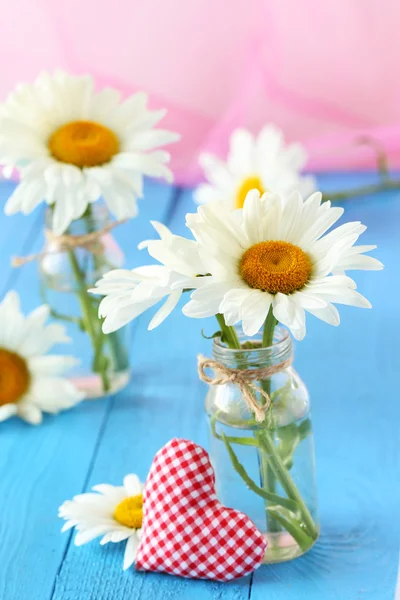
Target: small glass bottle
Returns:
[[266, 470], [66, 274]]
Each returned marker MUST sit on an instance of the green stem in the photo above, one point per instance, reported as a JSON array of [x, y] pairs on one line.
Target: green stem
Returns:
[[89, 319], [274, 499], [229, 333], [283, 475], [119, 352], [269, 328], [120, 358], [58, 315], [301, 537], [272, 467], [267, 474], [244, 441], [374, 188], [275, 464], [282, 509], [67, 318], [268, 480]]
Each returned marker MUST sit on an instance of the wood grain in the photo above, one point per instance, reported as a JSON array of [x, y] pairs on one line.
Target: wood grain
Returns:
[[164, 400], [42, 466], [352, 374]]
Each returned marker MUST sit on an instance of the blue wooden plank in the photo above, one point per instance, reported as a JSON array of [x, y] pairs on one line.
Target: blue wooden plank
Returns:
[[355, 416], [40, 467], [351, 372], [165, 400], [355, 433]]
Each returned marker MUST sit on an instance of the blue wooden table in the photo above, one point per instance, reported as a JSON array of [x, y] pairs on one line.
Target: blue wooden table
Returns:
[[352, 373]]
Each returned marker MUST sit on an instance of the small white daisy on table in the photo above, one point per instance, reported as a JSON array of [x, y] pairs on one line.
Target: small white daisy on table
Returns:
[[74, 145], [113, 512], [261, 162], [30, 381]]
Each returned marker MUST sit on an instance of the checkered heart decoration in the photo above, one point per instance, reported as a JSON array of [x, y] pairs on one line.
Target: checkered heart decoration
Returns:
[[186, 531]]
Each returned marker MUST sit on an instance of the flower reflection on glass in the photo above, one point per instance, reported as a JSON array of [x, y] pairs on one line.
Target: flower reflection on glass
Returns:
[[261, 162], [114, 513], [30, 381]]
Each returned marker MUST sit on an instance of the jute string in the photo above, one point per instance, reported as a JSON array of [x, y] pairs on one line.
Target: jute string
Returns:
[[244, 379], [64, 243]]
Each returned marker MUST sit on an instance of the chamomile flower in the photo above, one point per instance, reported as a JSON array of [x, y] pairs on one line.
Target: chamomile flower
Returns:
[[74, 145], [274, 254], [127, 294], [114, 513], [30, 380], [261, 162]]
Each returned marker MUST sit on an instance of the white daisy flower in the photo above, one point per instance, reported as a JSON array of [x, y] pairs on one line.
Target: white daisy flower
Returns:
[[113, 512], [274, 254], [30, 381], [261, 162], [130, 293], [73, 145]]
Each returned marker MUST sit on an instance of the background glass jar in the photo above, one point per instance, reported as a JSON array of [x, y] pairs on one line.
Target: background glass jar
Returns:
[[266, 470], [66, 274]]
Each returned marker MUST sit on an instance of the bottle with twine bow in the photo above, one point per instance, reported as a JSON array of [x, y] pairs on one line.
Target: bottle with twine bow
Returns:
[[69, 265], [261, 442]]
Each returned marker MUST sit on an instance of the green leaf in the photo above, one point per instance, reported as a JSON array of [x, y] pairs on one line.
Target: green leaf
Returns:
[[243, 441], [251, 345], [290, 437], [277, 501], [282, 393], [293, 526], [217, 334], [305, 428]]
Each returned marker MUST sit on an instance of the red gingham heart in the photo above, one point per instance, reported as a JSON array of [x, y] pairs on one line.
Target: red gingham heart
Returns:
[[186, 531]]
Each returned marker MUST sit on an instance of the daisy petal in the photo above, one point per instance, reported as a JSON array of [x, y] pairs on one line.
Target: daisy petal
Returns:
[[254, 312], [7, 411], [130, 551], [165, 310], [29, 413], [132, 485], [329, 314]]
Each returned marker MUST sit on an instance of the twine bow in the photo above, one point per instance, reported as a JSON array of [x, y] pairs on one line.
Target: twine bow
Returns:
[[64, 243], [244, 379]]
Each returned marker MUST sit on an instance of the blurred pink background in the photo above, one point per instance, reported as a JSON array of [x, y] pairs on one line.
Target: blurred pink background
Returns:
[[326, 71]]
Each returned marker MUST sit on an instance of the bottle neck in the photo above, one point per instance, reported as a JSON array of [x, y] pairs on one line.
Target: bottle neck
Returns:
[[252, 354]]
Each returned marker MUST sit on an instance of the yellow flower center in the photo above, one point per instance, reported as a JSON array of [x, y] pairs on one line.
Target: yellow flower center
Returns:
[[83, 144], [251, 183], [14, 377], [129, 512], [275, 267]]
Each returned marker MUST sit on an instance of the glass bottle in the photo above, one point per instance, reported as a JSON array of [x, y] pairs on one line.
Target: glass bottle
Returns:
[[267, 469], [66, 274]]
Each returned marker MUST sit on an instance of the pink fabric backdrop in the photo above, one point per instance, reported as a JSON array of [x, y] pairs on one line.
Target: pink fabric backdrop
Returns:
[[326, 71]]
